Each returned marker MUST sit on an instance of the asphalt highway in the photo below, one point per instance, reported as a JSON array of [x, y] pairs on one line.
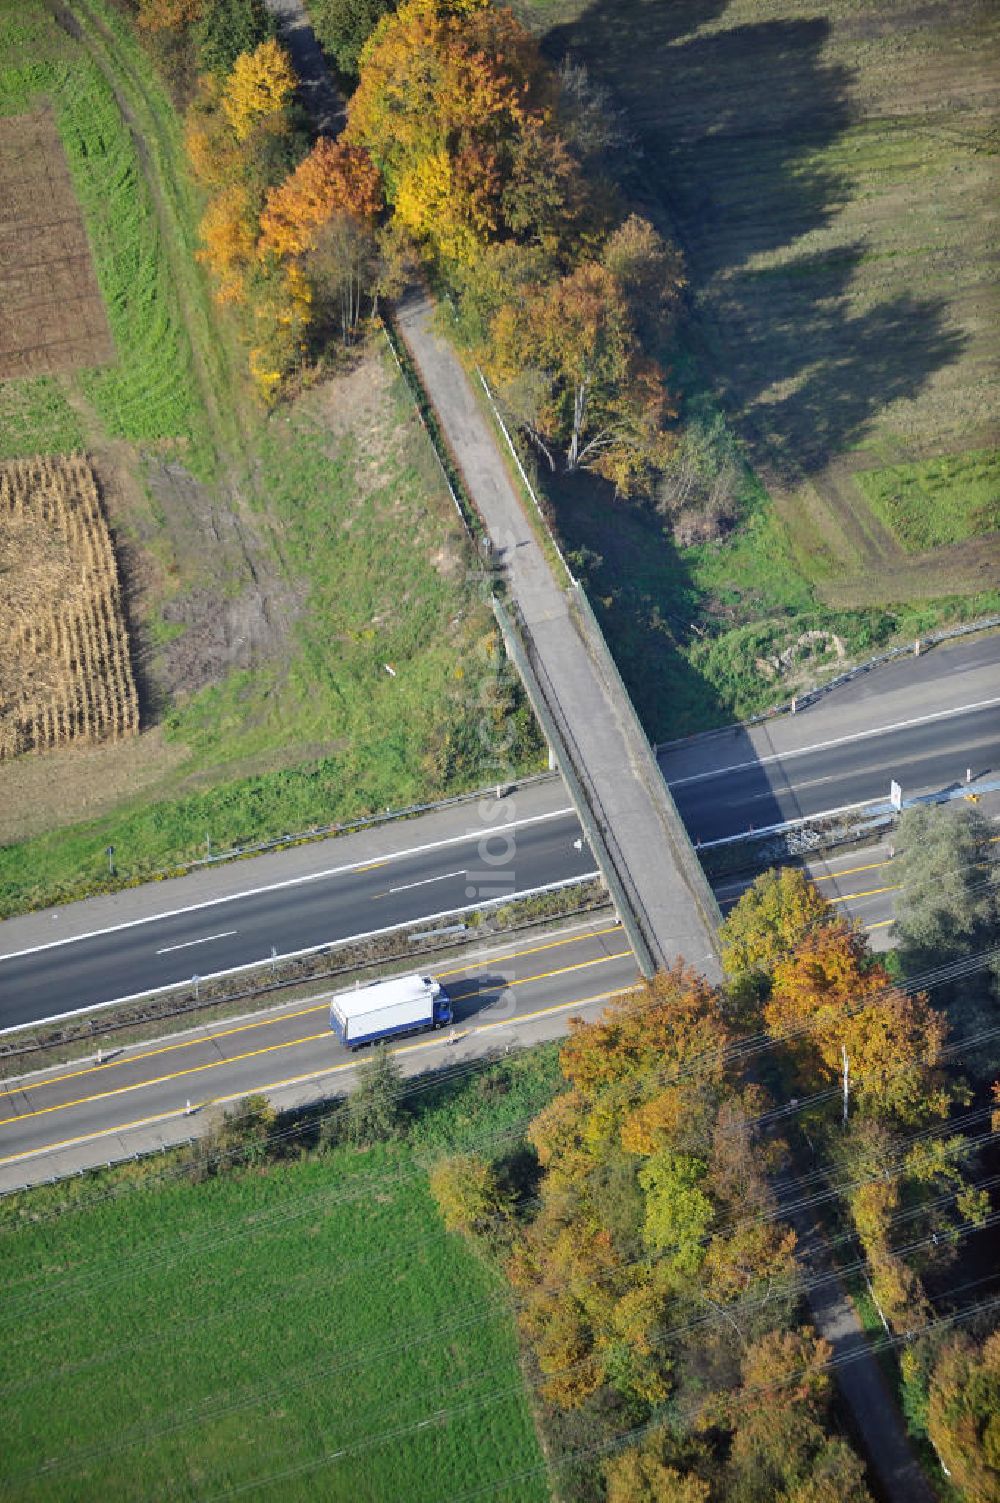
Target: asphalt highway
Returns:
[[151, 1094], [926, 722], [423, 881], [87, 1112], [933, 754]]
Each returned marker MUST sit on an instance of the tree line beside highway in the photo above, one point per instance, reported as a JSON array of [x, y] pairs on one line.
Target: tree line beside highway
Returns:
[[655, 1260], [464, 152], [651, 1222]]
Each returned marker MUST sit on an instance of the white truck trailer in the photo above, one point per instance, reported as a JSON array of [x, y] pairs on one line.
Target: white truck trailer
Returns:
[[386, 1009]]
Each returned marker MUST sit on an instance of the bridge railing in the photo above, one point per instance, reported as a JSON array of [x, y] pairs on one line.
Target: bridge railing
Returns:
[[599, 832]]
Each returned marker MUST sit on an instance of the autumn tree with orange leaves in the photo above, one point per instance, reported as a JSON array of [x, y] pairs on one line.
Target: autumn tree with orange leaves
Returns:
[[335, 176], [652, 1272], [569, 365], [654, 1200], [826, 1003]]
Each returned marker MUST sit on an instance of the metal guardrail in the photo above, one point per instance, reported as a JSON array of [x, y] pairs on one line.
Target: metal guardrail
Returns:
[[320, 832], [101, 1019], [802, 701], [545, 702], [543, 522]]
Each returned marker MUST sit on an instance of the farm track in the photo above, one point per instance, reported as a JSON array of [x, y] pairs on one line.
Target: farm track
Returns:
[[154, 149]]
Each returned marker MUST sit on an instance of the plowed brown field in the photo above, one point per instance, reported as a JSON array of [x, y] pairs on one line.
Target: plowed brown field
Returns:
[[51, 313]]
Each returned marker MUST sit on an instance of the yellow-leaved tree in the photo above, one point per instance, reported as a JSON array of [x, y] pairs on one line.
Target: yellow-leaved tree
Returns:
[[258, 89], [228, 241]]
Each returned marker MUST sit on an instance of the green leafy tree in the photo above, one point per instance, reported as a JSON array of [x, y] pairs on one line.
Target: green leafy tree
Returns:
[[226, 29], [344, 26], [948, 907], [374, 1112], [771, 917], [948, 898], [928, 1181], [678, 1212], [240, 1136], [963, 1418]]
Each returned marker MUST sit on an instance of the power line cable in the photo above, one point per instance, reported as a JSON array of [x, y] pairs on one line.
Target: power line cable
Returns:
[[753, 1045], [310, 1372]]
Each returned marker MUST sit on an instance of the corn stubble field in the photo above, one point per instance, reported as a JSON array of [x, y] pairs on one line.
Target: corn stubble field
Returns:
[[258, 631], [64, 656]]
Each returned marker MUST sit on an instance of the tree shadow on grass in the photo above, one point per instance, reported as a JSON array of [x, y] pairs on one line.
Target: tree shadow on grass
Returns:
[[813, 377], [645, 600], [735, 128]]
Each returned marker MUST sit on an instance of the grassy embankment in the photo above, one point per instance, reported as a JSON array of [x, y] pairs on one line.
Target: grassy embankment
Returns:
[[837, 220], [185, 1340], [272, 568]]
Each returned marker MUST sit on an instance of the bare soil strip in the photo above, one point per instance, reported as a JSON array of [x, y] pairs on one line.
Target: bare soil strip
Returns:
[[52, 317]]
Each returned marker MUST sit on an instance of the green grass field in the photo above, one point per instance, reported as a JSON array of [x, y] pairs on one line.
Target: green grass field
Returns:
[[940, 501], [34, 416], [831, 175], [169, 1339], [273, 566], [150, 393]]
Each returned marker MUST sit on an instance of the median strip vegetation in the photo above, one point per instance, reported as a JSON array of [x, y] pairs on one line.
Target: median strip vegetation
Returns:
[[291, 980]]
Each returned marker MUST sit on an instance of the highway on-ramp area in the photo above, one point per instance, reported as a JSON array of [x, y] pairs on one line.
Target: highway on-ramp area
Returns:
[[155, 1093], [927, 722]]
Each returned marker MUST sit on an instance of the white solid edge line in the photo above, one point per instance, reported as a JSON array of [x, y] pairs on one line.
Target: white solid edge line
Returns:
[[425, 918], [252, 892], [476, 957], [804, 751], [279, 1085]]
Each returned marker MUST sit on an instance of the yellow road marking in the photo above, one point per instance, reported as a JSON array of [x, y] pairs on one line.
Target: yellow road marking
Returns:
[[848, 897], [215, 1064], [303, 1012], [882, 924], [849, 871], [371, 867], [277, 1085]]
